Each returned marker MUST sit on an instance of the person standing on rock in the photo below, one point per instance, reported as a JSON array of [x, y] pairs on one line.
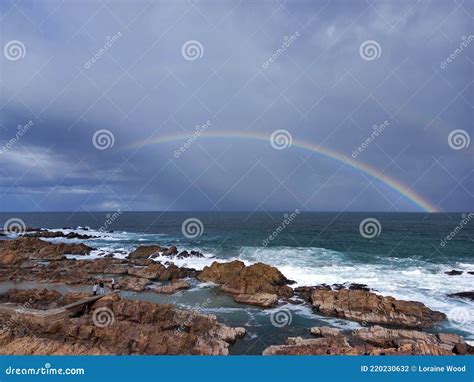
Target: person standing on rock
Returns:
[[101, 288], [112, 283], [94, 289]]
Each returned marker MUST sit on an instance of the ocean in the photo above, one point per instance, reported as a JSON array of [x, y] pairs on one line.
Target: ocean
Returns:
[[405, 255]]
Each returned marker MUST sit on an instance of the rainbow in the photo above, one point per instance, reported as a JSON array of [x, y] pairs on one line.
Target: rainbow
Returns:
[[394, 184]]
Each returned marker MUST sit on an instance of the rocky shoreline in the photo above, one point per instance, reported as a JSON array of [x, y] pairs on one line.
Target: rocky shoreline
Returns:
[[390, 326]]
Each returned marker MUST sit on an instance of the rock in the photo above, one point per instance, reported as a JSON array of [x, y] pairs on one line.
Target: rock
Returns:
[[186, 254], [264, 300], [325, 331], [454, 273], [134, 284], [152, 271], [126, 327], [13, 252], [144, 251], [375, 340], [368, 307], [54, 234], [172, 287], [171, 251], [410, 342], [467, 295], [315, 346], [236, 278], [471, 273]]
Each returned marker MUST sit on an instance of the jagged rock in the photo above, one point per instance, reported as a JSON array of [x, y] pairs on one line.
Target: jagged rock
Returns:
[[264, 300], [54, 234], [116, 326], [172, 287], [375, 340], [315, 346], [171, 251], [152, 271], [14, 252], [325, 331], [454, 273], [144, 251], [236, 278], [411, 342], [466, 295], [368, 307], [134, 284]]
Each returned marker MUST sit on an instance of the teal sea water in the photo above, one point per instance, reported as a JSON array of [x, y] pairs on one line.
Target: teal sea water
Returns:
[[407, 257]]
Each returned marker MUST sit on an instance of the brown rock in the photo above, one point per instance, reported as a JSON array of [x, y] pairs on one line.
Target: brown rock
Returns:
[[14, 252], [144, 251], [410, 342], [368, 307], [173, 287], [236, 278], [264, 300], [454, 273]]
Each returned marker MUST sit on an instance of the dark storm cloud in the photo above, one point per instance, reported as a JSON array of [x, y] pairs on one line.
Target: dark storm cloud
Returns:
[[265, 66]]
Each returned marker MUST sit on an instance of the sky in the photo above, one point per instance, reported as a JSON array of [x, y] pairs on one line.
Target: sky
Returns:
[[236, 105]]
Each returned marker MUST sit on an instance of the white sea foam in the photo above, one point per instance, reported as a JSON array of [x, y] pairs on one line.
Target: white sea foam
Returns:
[[404, 279]]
